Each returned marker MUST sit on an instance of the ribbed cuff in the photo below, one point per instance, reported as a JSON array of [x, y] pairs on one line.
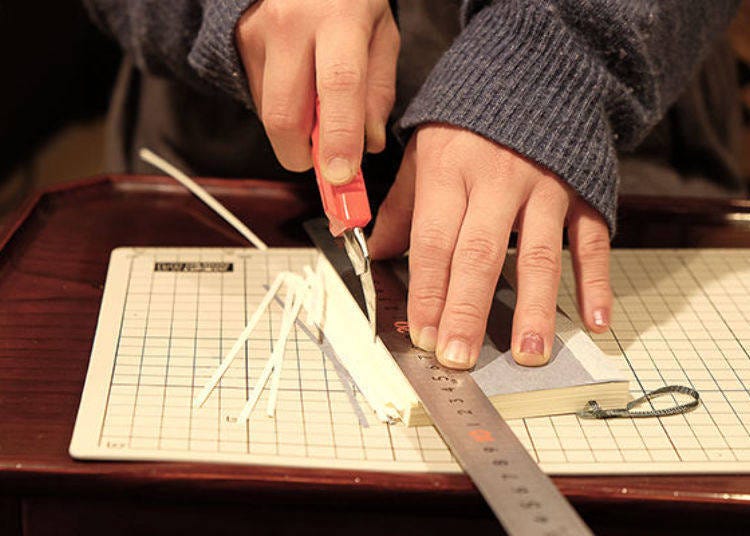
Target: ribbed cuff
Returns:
[[214, 54], [518, 76]]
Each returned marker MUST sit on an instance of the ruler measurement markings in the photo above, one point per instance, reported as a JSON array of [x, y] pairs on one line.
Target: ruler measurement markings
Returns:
[[522, 497]]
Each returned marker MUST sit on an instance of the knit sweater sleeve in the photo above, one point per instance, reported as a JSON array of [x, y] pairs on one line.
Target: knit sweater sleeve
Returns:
[[188, 40], [567, 83]]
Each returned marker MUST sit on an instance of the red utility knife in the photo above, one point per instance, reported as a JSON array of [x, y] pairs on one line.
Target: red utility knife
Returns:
[[348, 211]]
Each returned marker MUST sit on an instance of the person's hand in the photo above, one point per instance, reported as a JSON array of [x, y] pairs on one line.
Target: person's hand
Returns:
[[462, 194], [342, 50]]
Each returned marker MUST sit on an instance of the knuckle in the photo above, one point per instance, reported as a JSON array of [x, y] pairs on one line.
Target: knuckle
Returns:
[[425, 299], [279, 121], [465, 316], [479, 254], [344, 9], [594, 245], [341, 128], [442, 176], [542, 259], [430, 243], [551, 193], [245, 37], [596, 282], [248, 32], [340, 77]]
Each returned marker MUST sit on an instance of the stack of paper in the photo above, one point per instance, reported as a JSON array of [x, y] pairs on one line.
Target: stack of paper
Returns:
[[577, 373]]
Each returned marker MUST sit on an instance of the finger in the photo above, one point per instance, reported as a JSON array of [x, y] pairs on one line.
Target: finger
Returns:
[[589, 246], [250, 43], [477, 261], [288, 100], [390, 236], [254, 71], [381, 82], [439, 205], [538, 273], [341, 69]]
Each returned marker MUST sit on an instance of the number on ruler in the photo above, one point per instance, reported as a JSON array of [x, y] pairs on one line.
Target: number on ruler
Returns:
[[401, 326]]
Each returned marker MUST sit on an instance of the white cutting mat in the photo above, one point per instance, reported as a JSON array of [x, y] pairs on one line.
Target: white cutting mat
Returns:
[[681, 316]]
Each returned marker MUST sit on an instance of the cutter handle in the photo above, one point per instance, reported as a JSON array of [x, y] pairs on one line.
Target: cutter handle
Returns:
[[346, 206]]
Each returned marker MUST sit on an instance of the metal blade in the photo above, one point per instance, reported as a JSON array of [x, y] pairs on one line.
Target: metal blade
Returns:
[[356, 248], [336, 252]]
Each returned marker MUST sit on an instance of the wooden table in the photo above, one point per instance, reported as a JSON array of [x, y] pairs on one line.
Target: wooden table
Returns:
[[53, 260]]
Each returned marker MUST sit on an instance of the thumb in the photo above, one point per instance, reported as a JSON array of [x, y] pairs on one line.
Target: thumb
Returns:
[[390, 237]]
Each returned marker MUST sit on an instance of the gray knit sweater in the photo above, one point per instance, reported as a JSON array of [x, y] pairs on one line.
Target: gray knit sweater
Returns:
[[566, 83]]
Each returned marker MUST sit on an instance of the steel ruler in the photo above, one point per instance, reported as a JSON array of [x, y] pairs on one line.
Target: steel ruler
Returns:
[[523, 498]]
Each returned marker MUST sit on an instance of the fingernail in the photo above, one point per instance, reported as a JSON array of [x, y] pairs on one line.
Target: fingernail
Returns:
[[427, 339], [601, 319], [456, 354], [338, 171], [532, 349], [532, 344], [414, 336]]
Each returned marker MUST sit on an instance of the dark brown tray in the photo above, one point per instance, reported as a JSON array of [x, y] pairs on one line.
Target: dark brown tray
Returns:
[[53, 261]]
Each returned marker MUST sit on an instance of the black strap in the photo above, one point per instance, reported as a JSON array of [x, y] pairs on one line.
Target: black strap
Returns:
[[592, 410]]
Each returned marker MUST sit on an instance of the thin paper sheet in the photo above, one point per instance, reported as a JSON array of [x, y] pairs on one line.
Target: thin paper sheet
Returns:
[[574, 361], [680, 317], [502, 375]]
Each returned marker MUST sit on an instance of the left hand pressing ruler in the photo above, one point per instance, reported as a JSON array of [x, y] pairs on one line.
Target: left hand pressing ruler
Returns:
[[524, 499]]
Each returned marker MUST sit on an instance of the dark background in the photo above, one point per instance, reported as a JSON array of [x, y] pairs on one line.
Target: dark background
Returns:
[[57, 68]]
